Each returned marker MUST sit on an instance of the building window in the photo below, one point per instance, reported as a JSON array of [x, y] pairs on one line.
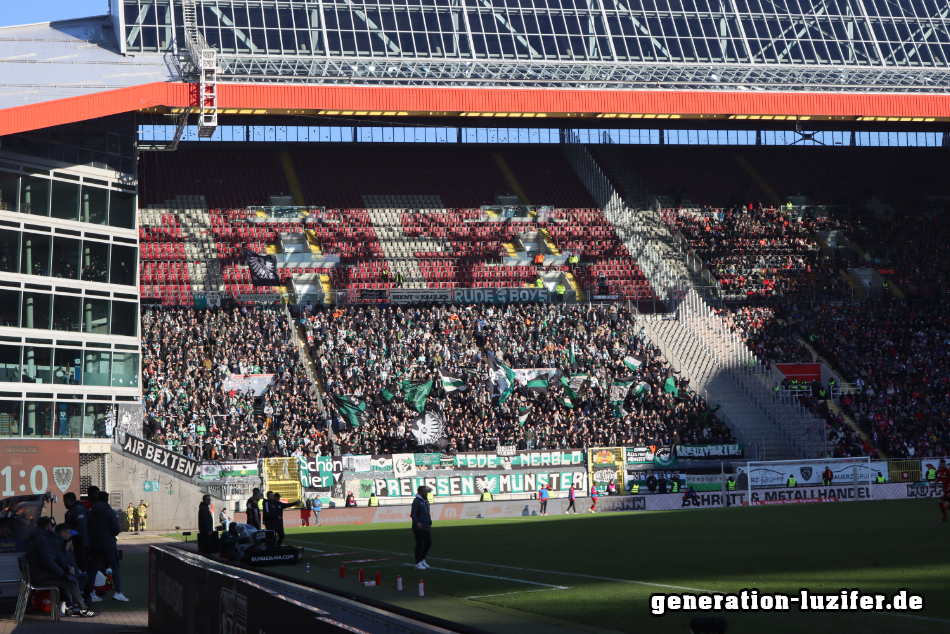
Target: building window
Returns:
[[37, 365]]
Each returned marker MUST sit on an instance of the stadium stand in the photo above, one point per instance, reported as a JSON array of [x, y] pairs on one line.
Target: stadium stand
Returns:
[[359, 351]]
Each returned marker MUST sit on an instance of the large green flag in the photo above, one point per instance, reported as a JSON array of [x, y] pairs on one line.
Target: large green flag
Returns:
[[386, 395], [416, 392], [707, 415], [352, 409], [540, 384], [670, 387], [572, 395]]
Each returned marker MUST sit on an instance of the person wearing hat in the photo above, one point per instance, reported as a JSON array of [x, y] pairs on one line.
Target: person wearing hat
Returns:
[[421, 526]]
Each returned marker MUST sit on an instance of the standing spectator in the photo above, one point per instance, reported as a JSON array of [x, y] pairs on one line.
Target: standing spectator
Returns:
[[543, 495], [421, 526], [317, 507], [274, 514], [253, 509], [350, 501], [103, 528], [205, 525], [77, 519]]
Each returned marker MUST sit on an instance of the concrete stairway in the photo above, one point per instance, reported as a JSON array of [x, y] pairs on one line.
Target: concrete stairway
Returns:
[[746, 418]]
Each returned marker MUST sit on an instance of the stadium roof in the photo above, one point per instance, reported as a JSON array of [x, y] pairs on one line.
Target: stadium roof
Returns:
[[787, 58]]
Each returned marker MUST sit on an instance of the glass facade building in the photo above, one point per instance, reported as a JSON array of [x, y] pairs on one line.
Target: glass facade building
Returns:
[[817, 44], [69, 298]]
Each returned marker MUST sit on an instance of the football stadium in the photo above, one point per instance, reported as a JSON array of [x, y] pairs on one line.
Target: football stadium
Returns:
[[476, 316]]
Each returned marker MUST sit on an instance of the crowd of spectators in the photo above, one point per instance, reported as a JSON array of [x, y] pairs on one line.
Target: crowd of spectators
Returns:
[[891, 349], [360, 351], [759, 252], [769, 338], [188, 358]]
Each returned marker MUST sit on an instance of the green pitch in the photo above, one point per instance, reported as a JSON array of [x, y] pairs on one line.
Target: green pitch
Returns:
[[596, 572]]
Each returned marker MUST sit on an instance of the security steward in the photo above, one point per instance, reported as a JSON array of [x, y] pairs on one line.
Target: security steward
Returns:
[[486, 496], [373, 500], [130, 517], [827, 476], [879, 479], [539, 283], [559, 289], [931, 474], [142, 512], [791, 482], [730, 484], [274, 514], [398, 279], [539, 259], [572, 261], [634, 488], [253, 509], [430, 496]]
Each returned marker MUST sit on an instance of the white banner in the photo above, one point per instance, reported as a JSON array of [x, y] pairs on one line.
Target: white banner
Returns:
[[357, 463], [404, 465], [766, 474], [244, 382], [804, 495], [524, 376], [907, 491], [427, 296]]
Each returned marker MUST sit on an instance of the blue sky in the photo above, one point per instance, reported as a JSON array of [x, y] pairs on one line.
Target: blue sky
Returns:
[[13, 12]]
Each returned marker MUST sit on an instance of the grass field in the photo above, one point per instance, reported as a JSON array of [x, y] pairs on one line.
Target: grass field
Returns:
[[596, 573]]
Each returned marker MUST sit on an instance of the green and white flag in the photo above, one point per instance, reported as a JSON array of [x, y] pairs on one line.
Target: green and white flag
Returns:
[[452, 383], [618, 391], [572, 396], [503, 378], [670, 387], [353, 410], [540, 384], [523, 415], [633, 362], [416, 393], [576, 381], [618, 394], [386, 395], [642, 389]]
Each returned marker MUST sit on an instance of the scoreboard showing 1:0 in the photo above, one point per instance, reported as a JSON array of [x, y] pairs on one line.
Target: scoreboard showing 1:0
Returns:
[[38, 481], [35, 467]]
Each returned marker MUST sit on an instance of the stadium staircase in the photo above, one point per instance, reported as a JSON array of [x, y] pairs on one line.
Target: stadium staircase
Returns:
[[399, 251], [694, 338]]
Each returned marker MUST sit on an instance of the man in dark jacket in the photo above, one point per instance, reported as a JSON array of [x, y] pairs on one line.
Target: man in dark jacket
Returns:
[[46, 557], [421, 526], [205, 525], [77, 519], [253, 510], [274, 514], [103, 526]]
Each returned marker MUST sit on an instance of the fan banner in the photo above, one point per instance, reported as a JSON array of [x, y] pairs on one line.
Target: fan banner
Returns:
[[494, 483], [263, 269], [708, 452], [501, 295], [519, 460]]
